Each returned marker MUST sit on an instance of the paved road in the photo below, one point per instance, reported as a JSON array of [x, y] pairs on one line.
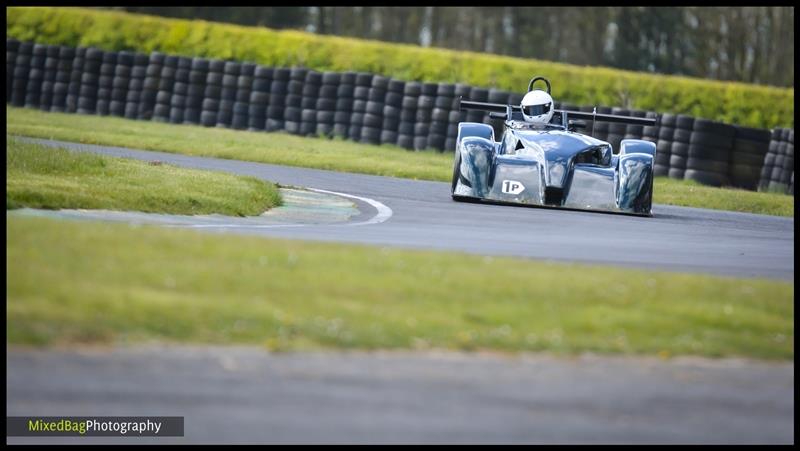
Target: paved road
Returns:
[[424, 216], [247, 395]]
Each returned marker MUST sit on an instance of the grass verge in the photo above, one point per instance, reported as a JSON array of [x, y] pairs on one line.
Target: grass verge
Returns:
[[72, 282], [336, 155], [44, 177], [689, 193]]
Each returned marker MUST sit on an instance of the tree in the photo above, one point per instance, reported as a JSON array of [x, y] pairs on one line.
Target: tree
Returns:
[[749, 44]]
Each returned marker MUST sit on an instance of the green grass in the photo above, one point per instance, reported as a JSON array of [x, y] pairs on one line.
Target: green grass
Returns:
[[277, 148], [693, 194], [44, 177], [337, 155], [71, 282]]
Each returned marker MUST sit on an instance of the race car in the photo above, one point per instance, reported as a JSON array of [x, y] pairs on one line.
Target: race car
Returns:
[[541, 160]]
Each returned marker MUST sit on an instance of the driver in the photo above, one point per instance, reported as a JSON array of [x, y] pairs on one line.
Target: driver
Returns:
[[537, 107]]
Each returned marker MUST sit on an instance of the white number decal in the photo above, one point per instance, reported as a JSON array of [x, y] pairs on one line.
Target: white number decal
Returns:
[[512, 187]]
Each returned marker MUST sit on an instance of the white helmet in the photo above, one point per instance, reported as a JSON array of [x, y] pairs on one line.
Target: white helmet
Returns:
[[537, 107]]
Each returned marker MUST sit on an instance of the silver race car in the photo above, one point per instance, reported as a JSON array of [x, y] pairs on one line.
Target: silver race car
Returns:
[[541, 159]]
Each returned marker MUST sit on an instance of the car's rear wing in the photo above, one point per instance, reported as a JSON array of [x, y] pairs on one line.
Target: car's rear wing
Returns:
[[502, 111]]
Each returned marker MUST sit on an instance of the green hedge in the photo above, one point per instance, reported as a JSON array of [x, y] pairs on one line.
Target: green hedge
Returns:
[[737, 103]]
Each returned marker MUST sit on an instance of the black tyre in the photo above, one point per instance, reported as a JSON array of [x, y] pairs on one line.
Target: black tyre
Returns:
[[344, 105], [394, 99], [340, 129], [243, 95], [331, 78], [116, 108], [706, 177], [313, 78], [388, 137], [272, 125], [408, 115], [345, 91], [216, 66], [264, 72], [275, 110], [720, 167], [421, 129], [256, 122], [354, 131], [239, 121], [297, 74], [324, 130], [348, 78], [406, 128], [377, 95], [392, 112], [360, 92], [375, 108], [292, 114], [443, 102], [436, 141], [292, 127], [423, 115], [308, 103], [425, 102], [370, 135], [278, 87], [263, 85], [709, 139], [684, 122], [359, 105], [677, 162], [208, 118], [420, 143], [397, 86], [308, 115], [341, 117], [440, 115], [362, 79], [373, 121], [405, 141], [682, 136], [326, 104], [390, 124], [750, 146], [325, 117], [412, 89], [380, 82]]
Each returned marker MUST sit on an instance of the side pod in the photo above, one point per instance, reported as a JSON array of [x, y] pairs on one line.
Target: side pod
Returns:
[[475, 148], [478, 129], [635, 176]]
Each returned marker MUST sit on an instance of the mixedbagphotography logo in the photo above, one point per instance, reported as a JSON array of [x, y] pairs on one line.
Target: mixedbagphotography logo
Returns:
[[94, 426]]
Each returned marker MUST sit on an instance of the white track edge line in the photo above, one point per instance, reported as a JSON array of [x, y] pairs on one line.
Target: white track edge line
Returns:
[[384, 213]]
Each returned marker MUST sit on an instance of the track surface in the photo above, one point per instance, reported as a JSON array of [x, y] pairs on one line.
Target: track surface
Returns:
[[246, 395], [676, 238]]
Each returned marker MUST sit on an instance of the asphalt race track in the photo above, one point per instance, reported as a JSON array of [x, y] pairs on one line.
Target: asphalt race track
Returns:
[[420, 214], [247, 395]]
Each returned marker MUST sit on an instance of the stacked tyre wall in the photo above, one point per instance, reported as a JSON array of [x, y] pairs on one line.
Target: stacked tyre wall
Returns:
[[361, 107], [777, 173]]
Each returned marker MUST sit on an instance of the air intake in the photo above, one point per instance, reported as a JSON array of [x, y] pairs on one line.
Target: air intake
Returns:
[[553, 196]]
